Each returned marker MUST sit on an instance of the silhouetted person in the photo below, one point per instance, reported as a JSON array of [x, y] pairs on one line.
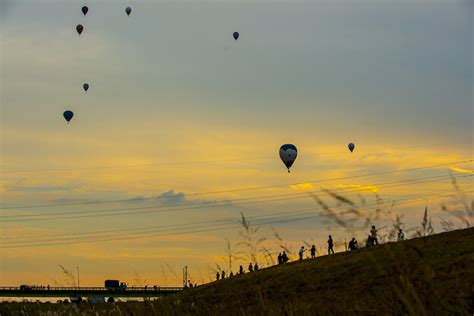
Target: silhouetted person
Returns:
[[373, 235], [353, 244], [313, 251], [369, 241], [231, 274], [284, 257], [241, 270], [250, 267], [223, 274], [330, 245], [218, 276], [256, 267], [48, 287], [401, 235], [301, 252], [280, 260]]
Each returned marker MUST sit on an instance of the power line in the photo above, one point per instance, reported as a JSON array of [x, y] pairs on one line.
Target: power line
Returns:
[[179, 225], [219, 221], [158, 209], [213, 202], [211, 227], [378, 202], [226, 220], [238, 189], [167, 209]]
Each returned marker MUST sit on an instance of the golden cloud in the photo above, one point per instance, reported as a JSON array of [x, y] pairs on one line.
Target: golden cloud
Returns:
[[461, 170], [358, 187], [302, 186]]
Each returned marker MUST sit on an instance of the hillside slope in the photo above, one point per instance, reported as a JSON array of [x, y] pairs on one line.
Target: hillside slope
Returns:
[[425, 276], [430, 275]]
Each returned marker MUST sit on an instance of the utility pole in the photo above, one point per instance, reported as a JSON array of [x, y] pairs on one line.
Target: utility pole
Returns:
[[185, 276], [77, 268]]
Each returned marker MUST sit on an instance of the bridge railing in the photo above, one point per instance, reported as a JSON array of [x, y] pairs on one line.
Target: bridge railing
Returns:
[[97, 289]]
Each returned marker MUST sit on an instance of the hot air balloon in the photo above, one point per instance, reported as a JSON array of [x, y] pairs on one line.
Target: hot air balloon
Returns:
[[79, 29], [85, 86], [68, 115], [288, 153], [84, 10], [128, 10], [236, 35], [351, 146]]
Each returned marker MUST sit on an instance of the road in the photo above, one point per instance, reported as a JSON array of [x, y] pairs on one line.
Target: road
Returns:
[[43, 291]]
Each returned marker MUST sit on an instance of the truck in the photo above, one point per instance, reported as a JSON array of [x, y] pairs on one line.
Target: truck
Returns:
[[115, 285], [25, 288]]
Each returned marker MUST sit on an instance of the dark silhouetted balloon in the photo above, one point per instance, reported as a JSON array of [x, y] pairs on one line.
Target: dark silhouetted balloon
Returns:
[[85, 86], [236, 35], [288, 153], [79, 29], [84, 10], [68, 115], [128, 10], [351, 146]]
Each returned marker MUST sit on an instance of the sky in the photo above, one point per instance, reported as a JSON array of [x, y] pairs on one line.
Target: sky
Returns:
[[180, 118]]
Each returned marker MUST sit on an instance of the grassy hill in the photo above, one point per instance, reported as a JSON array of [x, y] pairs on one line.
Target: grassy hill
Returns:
[[430, 275], [425, 276]]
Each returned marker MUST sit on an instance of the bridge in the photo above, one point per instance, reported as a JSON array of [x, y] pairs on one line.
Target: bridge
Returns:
[[43, 291]]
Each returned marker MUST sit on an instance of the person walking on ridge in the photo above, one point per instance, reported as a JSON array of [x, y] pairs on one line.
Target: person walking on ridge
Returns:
[[313, 252], [353, 244], [301, 252], [373, 235], [330, 245], [401, 235]]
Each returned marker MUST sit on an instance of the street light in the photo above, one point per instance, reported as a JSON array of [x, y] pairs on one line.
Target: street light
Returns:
[[77, 268]]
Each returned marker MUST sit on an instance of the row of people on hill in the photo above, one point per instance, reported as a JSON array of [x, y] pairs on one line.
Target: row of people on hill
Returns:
[[303, 250], [283, 258], [372, 239], [252, 267]]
